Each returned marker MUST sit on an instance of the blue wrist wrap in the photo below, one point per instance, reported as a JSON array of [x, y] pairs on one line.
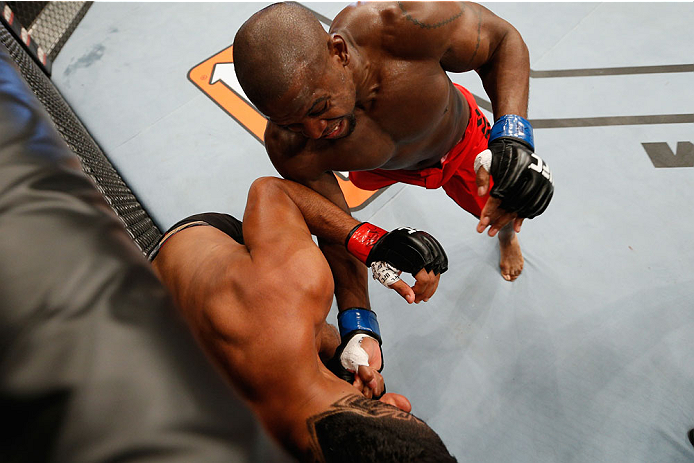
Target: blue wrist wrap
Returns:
[[511, 125], [358, 319]]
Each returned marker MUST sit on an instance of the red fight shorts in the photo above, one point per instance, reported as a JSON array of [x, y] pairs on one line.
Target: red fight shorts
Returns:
[[456, 174]]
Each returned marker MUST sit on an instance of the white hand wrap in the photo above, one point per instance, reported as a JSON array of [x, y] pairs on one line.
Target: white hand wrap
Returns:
[[385, 273], [484, 159], [354, 355]]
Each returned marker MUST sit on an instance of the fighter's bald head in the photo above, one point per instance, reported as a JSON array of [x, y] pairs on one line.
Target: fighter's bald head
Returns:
[[276, 46]]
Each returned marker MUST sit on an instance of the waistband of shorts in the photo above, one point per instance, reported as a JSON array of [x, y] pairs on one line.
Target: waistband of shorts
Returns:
[[153, 253]]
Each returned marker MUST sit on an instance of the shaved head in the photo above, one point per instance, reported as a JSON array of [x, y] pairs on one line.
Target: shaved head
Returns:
[[275, 47]]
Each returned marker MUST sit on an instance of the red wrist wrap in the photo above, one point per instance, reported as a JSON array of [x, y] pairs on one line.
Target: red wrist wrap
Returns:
[[362, 239]]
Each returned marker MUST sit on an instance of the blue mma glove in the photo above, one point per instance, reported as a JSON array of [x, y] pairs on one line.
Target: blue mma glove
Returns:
[[354, 324], [522, 181]]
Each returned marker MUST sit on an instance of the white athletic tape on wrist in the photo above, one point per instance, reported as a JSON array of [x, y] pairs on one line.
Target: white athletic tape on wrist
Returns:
[[385, 273], [484, 159], [354, 355]]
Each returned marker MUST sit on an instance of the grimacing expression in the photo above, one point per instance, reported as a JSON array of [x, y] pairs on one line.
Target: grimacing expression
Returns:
[[322, 109]]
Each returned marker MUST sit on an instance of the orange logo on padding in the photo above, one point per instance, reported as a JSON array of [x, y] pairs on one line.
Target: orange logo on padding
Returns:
[[217, 79]]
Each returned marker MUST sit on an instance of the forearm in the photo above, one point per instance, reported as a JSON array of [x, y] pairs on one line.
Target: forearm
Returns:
[[324, 219], [348, 246], [350, 277]]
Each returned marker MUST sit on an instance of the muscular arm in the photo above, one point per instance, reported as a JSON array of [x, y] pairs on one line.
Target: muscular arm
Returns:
[[278, 283], [506, 70], [465, 36], [349, 274], [273, 205]]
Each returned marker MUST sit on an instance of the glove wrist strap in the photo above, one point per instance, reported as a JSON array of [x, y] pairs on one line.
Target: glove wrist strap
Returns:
[[360, 320], [513, 126], [362, 238]]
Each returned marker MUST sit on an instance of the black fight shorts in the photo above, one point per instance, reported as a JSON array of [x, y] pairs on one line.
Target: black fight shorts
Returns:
[[222, 222]]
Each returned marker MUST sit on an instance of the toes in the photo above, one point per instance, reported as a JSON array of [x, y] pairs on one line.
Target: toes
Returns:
[[510, 276], [511, 260], [511, 273]]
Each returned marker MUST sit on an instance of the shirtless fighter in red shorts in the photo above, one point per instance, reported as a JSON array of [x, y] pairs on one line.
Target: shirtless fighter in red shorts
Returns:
[[372, 97]]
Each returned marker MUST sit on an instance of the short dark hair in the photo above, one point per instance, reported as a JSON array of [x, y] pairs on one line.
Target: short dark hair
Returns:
[[365, 430], [274, 47]]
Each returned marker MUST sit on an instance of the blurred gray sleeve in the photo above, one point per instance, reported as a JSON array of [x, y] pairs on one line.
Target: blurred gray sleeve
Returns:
[[95, 364]]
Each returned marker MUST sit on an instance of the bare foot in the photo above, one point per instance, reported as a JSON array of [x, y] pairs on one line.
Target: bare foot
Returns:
[[511, 257]]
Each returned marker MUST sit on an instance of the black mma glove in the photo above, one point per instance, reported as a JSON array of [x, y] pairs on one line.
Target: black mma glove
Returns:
[[406, 249], [347, 358], [522, 181]]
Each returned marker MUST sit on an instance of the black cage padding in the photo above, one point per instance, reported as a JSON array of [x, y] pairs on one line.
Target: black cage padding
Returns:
[[137, 221]]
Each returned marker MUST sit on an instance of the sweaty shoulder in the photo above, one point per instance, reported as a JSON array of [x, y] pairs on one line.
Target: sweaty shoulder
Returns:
[[416, 30]]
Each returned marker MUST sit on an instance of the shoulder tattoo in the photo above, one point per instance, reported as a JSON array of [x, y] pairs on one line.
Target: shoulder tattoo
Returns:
[[430, 26]]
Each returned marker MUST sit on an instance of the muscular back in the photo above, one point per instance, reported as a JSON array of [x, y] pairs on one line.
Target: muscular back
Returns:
[[255, 309]]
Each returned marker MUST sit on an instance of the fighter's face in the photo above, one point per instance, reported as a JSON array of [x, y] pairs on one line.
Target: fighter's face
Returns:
[[318, 107]]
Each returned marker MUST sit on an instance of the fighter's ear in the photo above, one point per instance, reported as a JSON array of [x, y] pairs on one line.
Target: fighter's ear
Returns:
[[338, 47], [397, 400]]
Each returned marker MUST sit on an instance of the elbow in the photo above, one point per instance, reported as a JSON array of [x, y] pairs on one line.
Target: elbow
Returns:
[[265, 190], [513, 42], [265, 185]]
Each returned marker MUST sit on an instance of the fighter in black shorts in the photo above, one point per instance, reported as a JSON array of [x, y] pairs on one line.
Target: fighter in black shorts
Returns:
[[256, 297]]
